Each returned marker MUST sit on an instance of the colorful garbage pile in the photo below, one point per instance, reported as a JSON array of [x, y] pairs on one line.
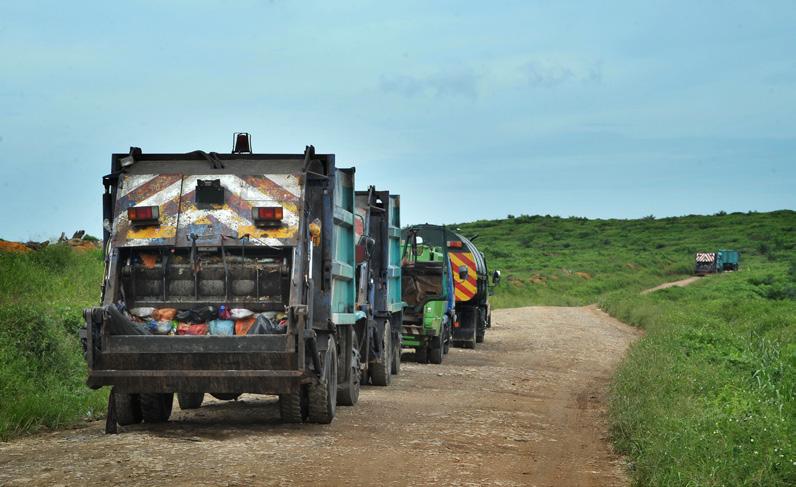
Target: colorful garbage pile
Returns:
[[207, 320]]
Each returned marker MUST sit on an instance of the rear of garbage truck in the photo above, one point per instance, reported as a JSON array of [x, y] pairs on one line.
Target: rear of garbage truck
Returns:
[[224, 274]]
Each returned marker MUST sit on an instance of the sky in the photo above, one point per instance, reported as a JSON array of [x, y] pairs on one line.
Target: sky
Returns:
[[469, 110]]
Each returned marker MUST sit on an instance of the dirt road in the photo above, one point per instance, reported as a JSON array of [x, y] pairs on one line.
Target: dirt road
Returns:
[[526, 408], [681, 283]]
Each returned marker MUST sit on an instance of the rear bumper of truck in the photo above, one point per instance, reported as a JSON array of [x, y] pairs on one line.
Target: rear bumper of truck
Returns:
[[262, 364], [416, 335], [216, 381]]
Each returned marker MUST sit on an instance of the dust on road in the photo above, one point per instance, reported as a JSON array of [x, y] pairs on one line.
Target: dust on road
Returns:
[[525, 408]]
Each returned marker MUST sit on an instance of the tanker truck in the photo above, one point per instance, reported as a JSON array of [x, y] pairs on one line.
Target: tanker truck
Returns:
[[428, 294], [224, 274], [471, 290]]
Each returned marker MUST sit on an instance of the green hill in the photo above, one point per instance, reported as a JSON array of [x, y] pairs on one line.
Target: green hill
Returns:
[[574, 261]]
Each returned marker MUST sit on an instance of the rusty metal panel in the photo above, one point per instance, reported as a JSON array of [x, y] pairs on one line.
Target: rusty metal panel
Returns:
[[181, 215]]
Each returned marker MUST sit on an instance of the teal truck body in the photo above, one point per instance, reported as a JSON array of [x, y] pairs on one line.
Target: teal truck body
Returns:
[[718, 261]]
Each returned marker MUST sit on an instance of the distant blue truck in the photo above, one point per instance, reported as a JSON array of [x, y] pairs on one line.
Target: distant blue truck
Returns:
[[719, 261]]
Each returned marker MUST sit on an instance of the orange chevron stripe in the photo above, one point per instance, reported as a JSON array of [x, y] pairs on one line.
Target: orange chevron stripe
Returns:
[[467, 285]]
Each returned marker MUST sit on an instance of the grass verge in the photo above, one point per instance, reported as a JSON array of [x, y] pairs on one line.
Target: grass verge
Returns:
[[42, 375], [707, 396]]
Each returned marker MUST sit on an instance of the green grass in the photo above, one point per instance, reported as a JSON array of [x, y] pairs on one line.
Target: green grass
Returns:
[[42, 371], [707, 396], [540, 256]]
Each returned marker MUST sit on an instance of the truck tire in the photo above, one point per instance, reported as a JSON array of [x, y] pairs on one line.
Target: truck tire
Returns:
[[435, 351], [396, 358], [293, 407], [323, 395], [128, 408], [381, 370], [348, 392], [156, 407], [421, 355], [472, 318], [479, 337], [190, 400]]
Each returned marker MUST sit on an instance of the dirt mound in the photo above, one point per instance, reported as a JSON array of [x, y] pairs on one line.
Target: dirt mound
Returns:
[[13, 247], [79, 242]]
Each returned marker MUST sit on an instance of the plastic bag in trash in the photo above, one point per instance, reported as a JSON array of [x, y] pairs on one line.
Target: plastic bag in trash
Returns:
[[197, 315], [118, 324], [197, 329], [222, 327], [243, 325], [223, 313], [142, 312], [240, 313], [265, 326], [159, 327], [164, 314]]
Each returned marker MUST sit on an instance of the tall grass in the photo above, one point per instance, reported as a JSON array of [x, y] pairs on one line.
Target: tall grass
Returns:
[[42, 371], [708, 396]]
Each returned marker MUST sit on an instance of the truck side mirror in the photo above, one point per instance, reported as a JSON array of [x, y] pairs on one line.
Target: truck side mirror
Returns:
[[464, 271], [496, 278]]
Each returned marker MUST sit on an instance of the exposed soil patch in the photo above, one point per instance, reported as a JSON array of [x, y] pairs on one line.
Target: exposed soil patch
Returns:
[[680, 283]]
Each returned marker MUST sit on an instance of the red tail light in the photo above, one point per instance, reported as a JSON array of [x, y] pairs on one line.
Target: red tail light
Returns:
[[456, 324], [267, 214], [143, 214], [455, 244]]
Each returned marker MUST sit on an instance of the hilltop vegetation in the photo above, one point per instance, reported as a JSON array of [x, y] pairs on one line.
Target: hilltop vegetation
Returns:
[[42, 372], [574, 261], [707, 397]]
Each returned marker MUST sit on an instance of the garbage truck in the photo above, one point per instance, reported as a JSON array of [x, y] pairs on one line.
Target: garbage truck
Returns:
[[376, 333], [428, 293], [224, 274], [718, 261], [471, 290]]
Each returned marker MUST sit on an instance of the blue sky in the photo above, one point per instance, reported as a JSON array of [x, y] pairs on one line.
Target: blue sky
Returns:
[[467, 109]]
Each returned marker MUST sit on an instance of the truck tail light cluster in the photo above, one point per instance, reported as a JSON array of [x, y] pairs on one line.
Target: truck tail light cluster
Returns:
[[455, 244], [143, 215], [267, 215]]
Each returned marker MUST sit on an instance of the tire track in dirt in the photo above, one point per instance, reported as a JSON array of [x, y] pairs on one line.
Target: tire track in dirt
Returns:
[[527, 407]]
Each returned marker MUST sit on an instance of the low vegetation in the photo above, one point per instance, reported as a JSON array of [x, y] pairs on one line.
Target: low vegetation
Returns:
[[42, 372], [574, 261], [707, 396]]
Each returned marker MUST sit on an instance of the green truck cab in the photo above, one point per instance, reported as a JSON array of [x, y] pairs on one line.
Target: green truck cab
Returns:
[[427, 290]]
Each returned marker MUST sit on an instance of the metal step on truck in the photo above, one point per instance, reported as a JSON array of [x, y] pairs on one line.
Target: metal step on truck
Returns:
[[428, 294], [376, 334], [224, 274]]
